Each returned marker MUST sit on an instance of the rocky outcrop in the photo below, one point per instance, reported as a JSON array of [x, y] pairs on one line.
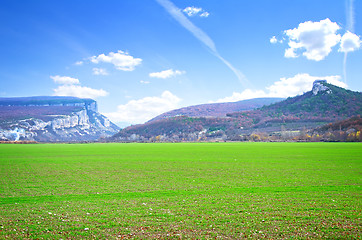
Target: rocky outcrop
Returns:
[[57, 120], [319, 86]]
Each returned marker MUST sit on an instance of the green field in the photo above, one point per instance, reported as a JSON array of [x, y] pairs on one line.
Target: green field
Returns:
[[182, 190]]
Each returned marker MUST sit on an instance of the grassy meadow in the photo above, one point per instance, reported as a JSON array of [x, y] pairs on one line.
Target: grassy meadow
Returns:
[[181, 190]]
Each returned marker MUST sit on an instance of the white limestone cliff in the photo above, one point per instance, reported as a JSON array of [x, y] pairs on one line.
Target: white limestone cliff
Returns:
[[84, 125]]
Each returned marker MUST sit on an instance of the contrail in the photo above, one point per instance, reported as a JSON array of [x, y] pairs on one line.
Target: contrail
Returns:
[[350, 15], [177, 14], [350, 27], [345, 67]]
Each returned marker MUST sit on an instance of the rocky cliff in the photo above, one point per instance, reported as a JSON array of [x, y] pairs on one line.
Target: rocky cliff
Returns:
[[52, 119], [320, 86]]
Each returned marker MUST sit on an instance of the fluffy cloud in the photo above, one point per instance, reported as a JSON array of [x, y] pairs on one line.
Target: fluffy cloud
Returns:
[[285, 87], [273, 40], [350, 42], [69, 88], [166, 74], [64, 80], [246, 94], [314, 39], [79, 91], [79, 63], [144, 109], [300, 83], [121, 60], [99, 71], [194, 11]]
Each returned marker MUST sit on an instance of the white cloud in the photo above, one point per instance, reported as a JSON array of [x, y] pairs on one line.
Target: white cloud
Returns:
[[300, 83], [166, 74], [273, 40], [246, 94], [99, 71], [79, 63], [64, 80], [194, 11], [204, 14], [69, 88], [121, 60], [144, 109], [350, 42], [285, 87], [79, 91], [289, 53], [145, 82], [314, 39]]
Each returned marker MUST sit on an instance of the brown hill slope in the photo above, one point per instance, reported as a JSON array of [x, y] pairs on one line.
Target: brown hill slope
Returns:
[[218, 109]]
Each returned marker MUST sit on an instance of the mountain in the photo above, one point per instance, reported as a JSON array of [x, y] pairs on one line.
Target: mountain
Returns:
[[52, 119], [218, 109], [325, 103], [325, 100]]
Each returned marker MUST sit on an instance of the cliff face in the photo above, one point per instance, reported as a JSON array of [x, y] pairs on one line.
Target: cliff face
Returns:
[[320, 86], [53, 119]]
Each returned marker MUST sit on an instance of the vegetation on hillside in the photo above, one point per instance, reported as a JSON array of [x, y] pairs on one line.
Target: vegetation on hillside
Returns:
[[291, 119], [45, 113], [218, 109]]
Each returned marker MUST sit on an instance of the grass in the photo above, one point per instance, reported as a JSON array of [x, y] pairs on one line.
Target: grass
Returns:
[[183, 190]]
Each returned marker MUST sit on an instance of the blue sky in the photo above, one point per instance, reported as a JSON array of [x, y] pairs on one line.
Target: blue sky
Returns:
[[139, 58]]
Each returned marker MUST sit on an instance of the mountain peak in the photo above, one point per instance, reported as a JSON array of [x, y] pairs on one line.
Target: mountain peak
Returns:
[[319, 86]]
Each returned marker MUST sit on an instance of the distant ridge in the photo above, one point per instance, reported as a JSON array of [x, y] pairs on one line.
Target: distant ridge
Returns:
[[292, 117], [218, 109], [25, 100], [45, 100]]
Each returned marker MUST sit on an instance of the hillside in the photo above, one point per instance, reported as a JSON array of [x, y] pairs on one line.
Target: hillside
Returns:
[[348, 130], [52, 119], [351, 124], [325, 103], [218, 109], [325, 100]]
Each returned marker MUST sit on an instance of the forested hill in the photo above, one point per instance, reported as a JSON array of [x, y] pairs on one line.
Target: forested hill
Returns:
[[324, 104], [325, 100]]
